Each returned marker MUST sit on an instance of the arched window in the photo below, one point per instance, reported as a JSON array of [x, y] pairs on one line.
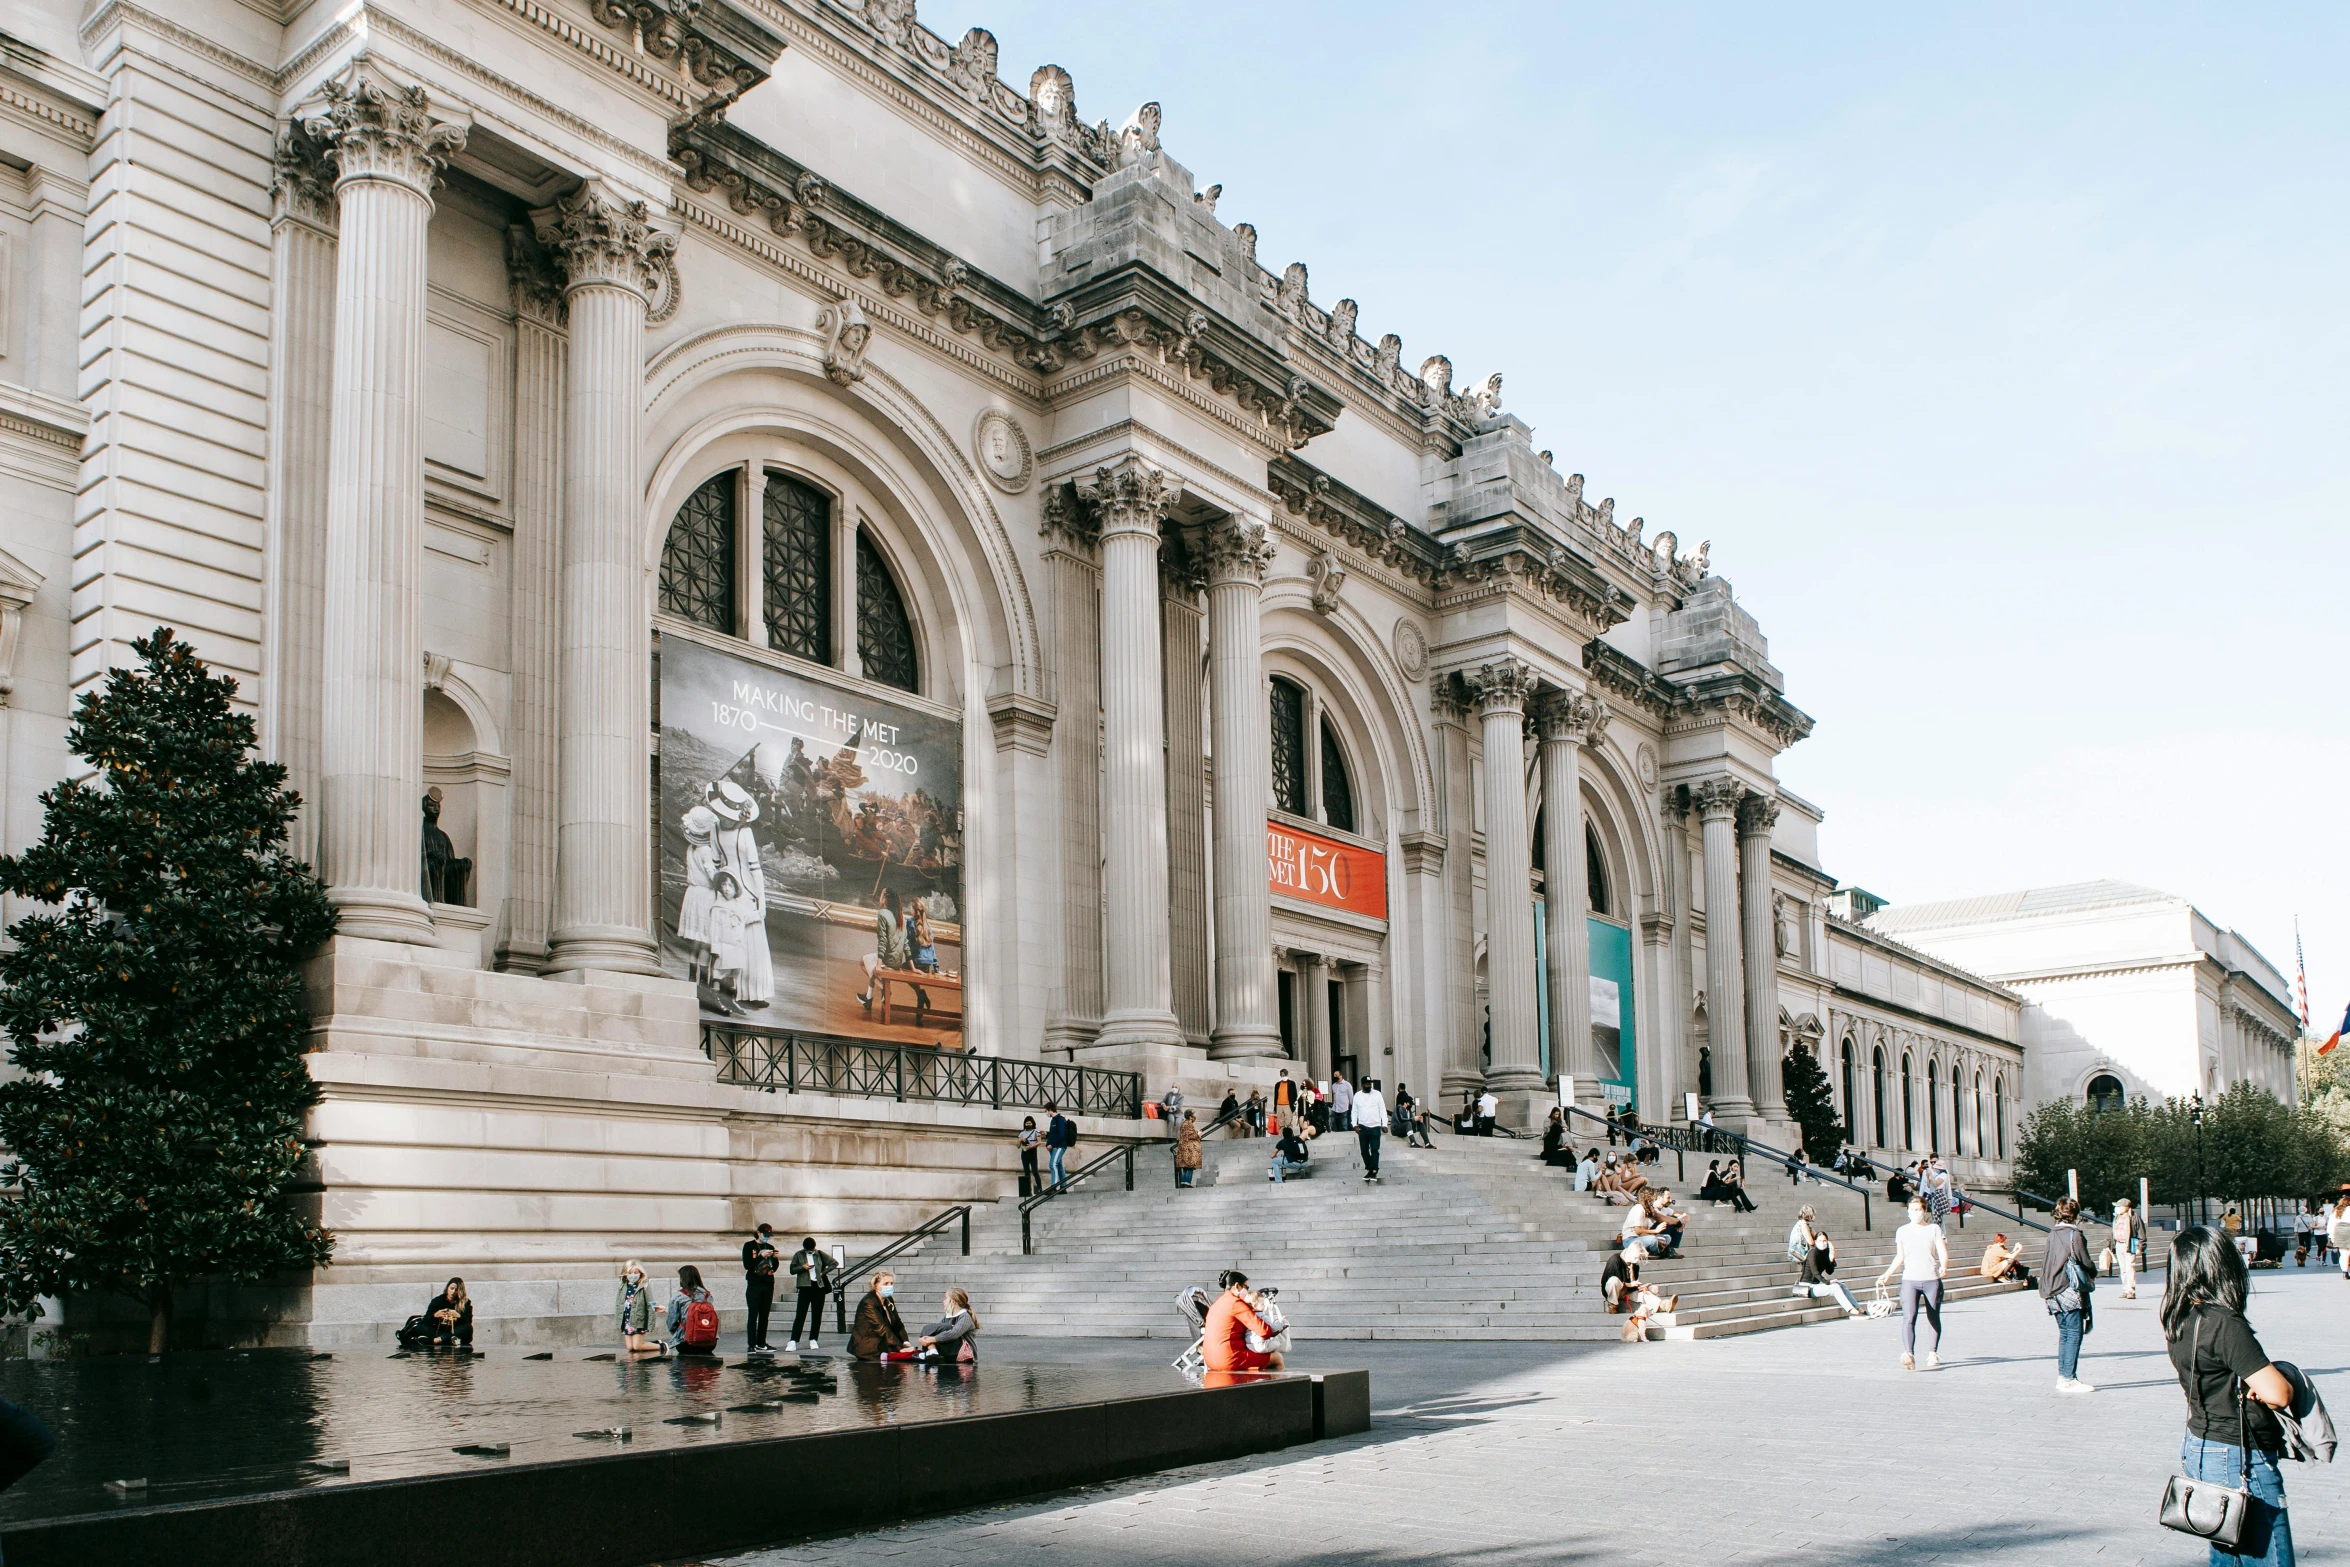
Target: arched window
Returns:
[[697, 559], [1851, 1109], [2105, 1092], [885, 636], [1933, 1107], [1289, 746], [1877, 1093], [1999, 1112], [1909, 1120], [1595, 873], [1338, 796], [1980, 1145], [1958, 1116], [796, 568]]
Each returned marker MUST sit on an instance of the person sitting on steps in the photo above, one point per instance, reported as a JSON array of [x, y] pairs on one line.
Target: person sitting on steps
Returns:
[[2002, 1261], [1819, 1274], [1734, 1180], [1289, 1156], [1620, 1286]]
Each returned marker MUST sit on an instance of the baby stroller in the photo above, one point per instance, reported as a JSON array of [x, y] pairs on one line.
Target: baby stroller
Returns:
[[1192, 1305]]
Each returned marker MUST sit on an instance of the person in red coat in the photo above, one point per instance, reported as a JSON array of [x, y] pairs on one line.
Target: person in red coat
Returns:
[[1224, 1345]]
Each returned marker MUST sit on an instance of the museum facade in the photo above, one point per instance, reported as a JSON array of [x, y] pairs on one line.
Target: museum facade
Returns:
[[851, 550]]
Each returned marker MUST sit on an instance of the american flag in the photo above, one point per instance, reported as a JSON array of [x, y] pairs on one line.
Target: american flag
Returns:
[[2301, 981]]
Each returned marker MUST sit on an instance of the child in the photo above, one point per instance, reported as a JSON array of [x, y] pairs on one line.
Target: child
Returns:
[[701, 876], [728, 922]]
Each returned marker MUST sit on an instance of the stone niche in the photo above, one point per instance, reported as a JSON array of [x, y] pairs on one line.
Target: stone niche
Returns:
[[462, 761]]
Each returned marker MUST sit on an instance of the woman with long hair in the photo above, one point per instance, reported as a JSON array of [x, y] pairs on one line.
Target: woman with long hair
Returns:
[[2231, 1386], [954, 1336], [633, 1305]]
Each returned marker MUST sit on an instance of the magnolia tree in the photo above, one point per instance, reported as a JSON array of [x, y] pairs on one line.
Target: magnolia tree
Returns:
[[155, 1006]]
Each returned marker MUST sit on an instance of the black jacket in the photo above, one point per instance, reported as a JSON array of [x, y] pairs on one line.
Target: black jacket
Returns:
[[2066, 1244]]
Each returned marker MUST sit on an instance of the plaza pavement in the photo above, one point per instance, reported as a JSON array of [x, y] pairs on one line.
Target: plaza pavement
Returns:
[[1807, 1446]]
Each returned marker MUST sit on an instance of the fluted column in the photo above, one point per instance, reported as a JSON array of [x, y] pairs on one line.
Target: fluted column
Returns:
[[1130, 500], [1501, 690], [1756, 815], [1568, 722], [611, 257], [1246, 1025], [1725, 973], [388, 143]]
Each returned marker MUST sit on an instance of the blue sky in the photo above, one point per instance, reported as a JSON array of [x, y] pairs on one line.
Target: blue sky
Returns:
[[2003, 355]]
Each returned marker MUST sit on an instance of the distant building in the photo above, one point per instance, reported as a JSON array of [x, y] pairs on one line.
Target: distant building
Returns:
[[2131, 991]]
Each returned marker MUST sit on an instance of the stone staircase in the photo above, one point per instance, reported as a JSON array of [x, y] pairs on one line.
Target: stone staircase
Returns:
[[1474, 1240]]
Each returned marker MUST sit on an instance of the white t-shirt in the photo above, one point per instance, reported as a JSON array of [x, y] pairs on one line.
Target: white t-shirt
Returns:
[[1487, 1105], [1914, 1245], [1370, 1108]]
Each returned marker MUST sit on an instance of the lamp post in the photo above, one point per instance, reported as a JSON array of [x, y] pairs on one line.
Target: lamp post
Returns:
[[2195, 1114]]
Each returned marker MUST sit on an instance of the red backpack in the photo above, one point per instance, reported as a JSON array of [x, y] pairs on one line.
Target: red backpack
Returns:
[[701, 1325]]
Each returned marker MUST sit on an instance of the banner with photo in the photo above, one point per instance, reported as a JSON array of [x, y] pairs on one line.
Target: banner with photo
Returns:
[[1612, 1040], [811, 851]]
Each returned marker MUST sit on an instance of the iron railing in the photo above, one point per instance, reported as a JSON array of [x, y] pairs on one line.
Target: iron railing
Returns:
[[910, 1241], [782, 1061], [1710, 1139]]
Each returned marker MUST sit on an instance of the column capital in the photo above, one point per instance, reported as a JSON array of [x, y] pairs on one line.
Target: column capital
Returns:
[[1569, 716], [1502, 686], [303, 176], [1716, 799], [601, 240], [1129, 496], [1757, 815], [1238, 550], [380, 128]]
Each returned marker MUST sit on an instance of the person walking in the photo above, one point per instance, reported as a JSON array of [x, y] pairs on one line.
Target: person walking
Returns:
[[1187, 1149], [1342, 1103], [1921, 1257], [2067, 1277], [1284, 1100], [1060, 1136], [1370, 1113], [2127, 1244], [760, 1262], [2231, 1386], [811, 1275]]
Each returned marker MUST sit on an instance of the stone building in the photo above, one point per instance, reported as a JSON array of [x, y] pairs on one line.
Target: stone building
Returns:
[[2130, 992], [801, 503]]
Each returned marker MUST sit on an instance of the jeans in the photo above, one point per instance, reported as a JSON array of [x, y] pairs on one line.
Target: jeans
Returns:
[[1183, 1176], [2268, 1531], [810, 1311], [1030, 1181], [2068, 1345], [1919, 1294], [1831, 1290], [1651, 1244], [1368, 1137], [759, 1296], [1060, 1175], [1284, 1168]]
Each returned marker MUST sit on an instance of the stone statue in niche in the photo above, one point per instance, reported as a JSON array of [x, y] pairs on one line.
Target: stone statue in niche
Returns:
[[1705, 1072], [445, 873], [1783, 923]]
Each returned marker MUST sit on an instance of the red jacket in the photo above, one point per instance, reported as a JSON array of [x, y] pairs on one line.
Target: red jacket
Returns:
[[1225, 1345]]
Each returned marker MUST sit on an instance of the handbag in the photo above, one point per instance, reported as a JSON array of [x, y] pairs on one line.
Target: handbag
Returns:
[[1880, 1304], [2200, 1508]]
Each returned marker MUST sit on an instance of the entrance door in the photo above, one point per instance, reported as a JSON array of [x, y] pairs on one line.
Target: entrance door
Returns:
[[1285, 988]]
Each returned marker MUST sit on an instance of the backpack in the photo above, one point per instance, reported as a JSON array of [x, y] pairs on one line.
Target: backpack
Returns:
[[701, 1325]]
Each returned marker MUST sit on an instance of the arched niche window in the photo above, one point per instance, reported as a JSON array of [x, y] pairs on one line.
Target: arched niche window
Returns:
[[1338, 796], [2105, 1092], [1958, 1115], [1999, 1112], [1980, 1144], [1877, 1093], [1849, 1083], [1933, 1107], [1909, 1120], [1595, 873], [795, 567], [697, 559], [885, 634], [1289, 746]]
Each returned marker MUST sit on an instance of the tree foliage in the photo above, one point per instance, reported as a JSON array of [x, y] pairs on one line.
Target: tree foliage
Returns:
[[2252, 1145], [155, 1006], [1811, 1103]]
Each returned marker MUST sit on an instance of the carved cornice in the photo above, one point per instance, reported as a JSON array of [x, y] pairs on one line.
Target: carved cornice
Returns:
[[1305, 491], [1237, 550], [1624, 677], [1736, 695], [1522, 559], [603, 242], [1502, 686], [379, 128], [1716, 799], [711, 41], [1129, 496], [1423, 853], [1022, 722]]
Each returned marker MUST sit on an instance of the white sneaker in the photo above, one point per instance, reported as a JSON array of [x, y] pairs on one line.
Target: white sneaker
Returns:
[[2074, 1385], [813, 1344], [1933, 1361]]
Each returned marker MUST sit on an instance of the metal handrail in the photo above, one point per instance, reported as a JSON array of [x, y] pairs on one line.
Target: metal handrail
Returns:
[[1742, 1145], [1031, 1203], [853, 1271], [788, 1061], [1969, 1198]]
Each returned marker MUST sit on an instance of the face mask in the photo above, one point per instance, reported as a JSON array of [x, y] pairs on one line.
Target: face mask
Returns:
[[887, 1290]]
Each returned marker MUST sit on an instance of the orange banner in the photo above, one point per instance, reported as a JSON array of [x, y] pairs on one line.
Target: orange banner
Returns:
[[1322, 870]]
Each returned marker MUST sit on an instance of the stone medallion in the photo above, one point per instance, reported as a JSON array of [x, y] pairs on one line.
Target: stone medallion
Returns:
[[1002, 449], [1411, 650], [1646, 762]]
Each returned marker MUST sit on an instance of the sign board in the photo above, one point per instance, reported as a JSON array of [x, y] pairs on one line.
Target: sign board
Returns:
[[796, 816], [1307, 866]]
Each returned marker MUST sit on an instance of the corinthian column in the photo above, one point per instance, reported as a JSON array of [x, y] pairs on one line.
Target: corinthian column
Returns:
[[388, 145], [1130, 500], [1238, 553], [1725, 982], [1756, 815], [1501, 690], [1567, 723], [611, 257]]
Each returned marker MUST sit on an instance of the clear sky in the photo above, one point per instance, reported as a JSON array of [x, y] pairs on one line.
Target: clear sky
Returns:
[[2003, 354]]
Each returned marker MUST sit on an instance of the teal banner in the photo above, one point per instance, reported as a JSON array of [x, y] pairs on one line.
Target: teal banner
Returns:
[[1612, 1041]]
